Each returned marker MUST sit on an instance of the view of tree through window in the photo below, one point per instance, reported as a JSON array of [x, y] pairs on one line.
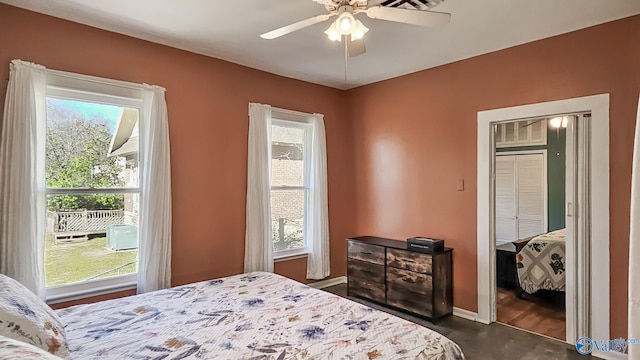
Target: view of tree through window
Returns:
[[90, 233]]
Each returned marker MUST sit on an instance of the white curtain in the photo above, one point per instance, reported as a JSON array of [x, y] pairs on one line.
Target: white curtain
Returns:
[[634, 249], [258, 245], [154, 256], [318, 227], [22, 179]]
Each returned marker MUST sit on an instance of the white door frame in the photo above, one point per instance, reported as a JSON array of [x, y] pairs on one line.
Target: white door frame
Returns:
[[545, 186], [598, 107]]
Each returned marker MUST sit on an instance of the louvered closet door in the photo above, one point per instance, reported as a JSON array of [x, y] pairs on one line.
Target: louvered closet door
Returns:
[[506, 223], [530, 185], [520, 196]]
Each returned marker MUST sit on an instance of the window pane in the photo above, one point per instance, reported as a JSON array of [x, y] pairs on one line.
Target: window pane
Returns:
[[537, 128], [90, 237], [287, 165], [523, 130], [287, 214], [510, 132], [91, 145]]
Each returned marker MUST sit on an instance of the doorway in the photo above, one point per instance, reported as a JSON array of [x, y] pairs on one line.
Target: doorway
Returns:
[[587, 202], [530, 236]]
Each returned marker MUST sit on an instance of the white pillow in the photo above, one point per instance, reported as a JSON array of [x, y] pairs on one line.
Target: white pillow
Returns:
[[25, 317], [11, 349]]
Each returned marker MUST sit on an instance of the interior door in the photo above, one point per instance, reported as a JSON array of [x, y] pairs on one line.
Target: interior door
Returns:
[[521, 196], [531, 195], [506, 219]]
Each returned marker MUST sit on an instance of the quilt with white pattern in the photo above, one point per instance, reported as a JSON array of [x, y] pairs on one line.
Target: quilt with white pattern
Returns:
[[541, 263], [250, 316]]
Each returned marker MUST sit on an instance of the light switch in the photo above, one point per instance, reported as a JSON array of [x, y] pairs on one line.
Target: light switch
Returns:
[[460, 185]]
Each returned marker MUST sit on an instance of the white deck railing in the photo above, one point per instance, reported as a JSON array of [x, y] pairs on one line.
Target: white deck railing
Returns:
[[83, 221]]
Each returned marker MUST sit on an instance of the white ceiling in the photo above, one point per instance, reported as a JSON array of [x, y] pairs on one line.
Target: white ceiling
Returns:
[[230, 29]]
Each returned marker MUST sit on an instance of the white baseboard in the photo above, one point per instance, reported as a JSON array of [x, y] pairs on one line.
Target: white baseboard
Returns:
[[465, 314], [610, 355], [462, 313], [329, 282]]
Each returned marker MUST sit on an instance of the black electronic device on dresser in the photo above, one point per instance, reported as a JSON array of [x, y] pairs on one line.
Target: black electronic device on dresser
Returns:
[[384, 271], [425, 245]]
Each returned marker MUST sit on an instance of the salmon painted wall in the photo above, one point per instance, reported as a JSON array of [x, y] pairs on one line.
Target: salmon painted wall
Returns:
[[208, 124], [415, 136]]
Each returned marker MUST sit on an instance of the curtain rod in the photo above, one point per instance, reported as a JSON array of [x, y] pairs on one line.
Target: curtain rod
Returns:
[[290, 112], [100, 80]]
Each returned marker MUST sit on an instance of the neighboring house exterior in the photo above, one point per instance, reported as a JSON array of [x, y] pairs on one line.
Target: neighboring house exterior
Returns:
[[125, 144]]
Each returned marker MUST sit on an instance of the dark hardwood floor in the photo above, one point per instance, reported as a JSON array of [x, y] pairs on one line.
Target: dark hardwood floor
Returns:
[[537, 313], [490, 342]]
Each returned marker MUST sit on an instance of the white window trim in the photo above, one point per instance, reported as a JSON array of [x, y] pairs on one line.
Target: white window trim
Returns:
[[69, 86], [292, 119], [291, 254], [76, 291]]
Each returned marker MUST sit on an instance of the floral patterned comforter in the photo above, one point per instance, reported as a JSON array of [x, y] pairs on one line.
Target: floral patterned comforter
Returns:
[[541, 263], [250, 316]]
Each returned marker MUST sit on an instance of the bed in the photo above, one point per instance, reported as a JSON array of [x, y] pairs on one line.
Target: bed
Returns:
[[250, 316], [540, 262]]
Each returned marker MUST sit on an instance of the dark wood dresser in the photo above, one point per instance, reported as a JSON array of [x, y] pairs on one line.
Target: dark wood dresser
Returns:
[[383, 270]]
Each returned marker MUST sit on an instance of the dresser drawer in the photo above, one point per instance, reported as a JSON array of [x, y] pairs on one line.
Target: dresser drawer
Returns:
[[365, 271], [410, 301], [367, 289], [409, 260], [399, 280], [366, 252]]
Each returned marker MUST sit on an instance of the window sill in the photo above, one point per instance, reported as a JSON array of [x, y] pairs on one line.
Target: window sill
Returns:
[[64, 293], [287, 257]]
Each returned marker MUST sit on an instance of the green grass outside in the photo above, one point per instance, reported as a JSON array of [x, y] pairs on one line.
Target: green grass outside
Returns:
[[67, 263]]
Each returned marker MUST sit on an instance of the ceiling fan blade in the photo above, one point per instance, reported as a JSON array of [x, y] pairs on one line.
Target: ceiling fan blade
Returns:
[[295, 27], [406, 16], [356, 47]]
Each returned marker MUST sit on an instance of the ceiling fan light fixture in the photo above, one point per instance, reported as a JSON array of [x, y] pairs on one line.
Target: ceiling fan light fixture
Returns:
[[346, 23], [359, 31], [333, 33], [557, 122]]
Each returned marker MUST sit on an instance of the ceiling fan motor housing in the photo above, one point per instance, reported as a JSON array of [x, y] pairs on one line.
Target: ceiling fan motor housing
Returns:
[[345, 9], [335, 6]]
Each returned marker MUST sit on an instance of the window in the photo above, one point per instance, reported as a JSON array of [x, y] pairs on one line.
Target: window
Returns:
[[290, 170], [92, 191], [89, 160], [287, 194]]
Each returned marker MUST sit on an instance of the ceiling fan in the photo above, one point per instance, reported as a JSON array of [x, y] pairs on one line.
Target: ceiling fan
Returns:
[[414, 12]]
